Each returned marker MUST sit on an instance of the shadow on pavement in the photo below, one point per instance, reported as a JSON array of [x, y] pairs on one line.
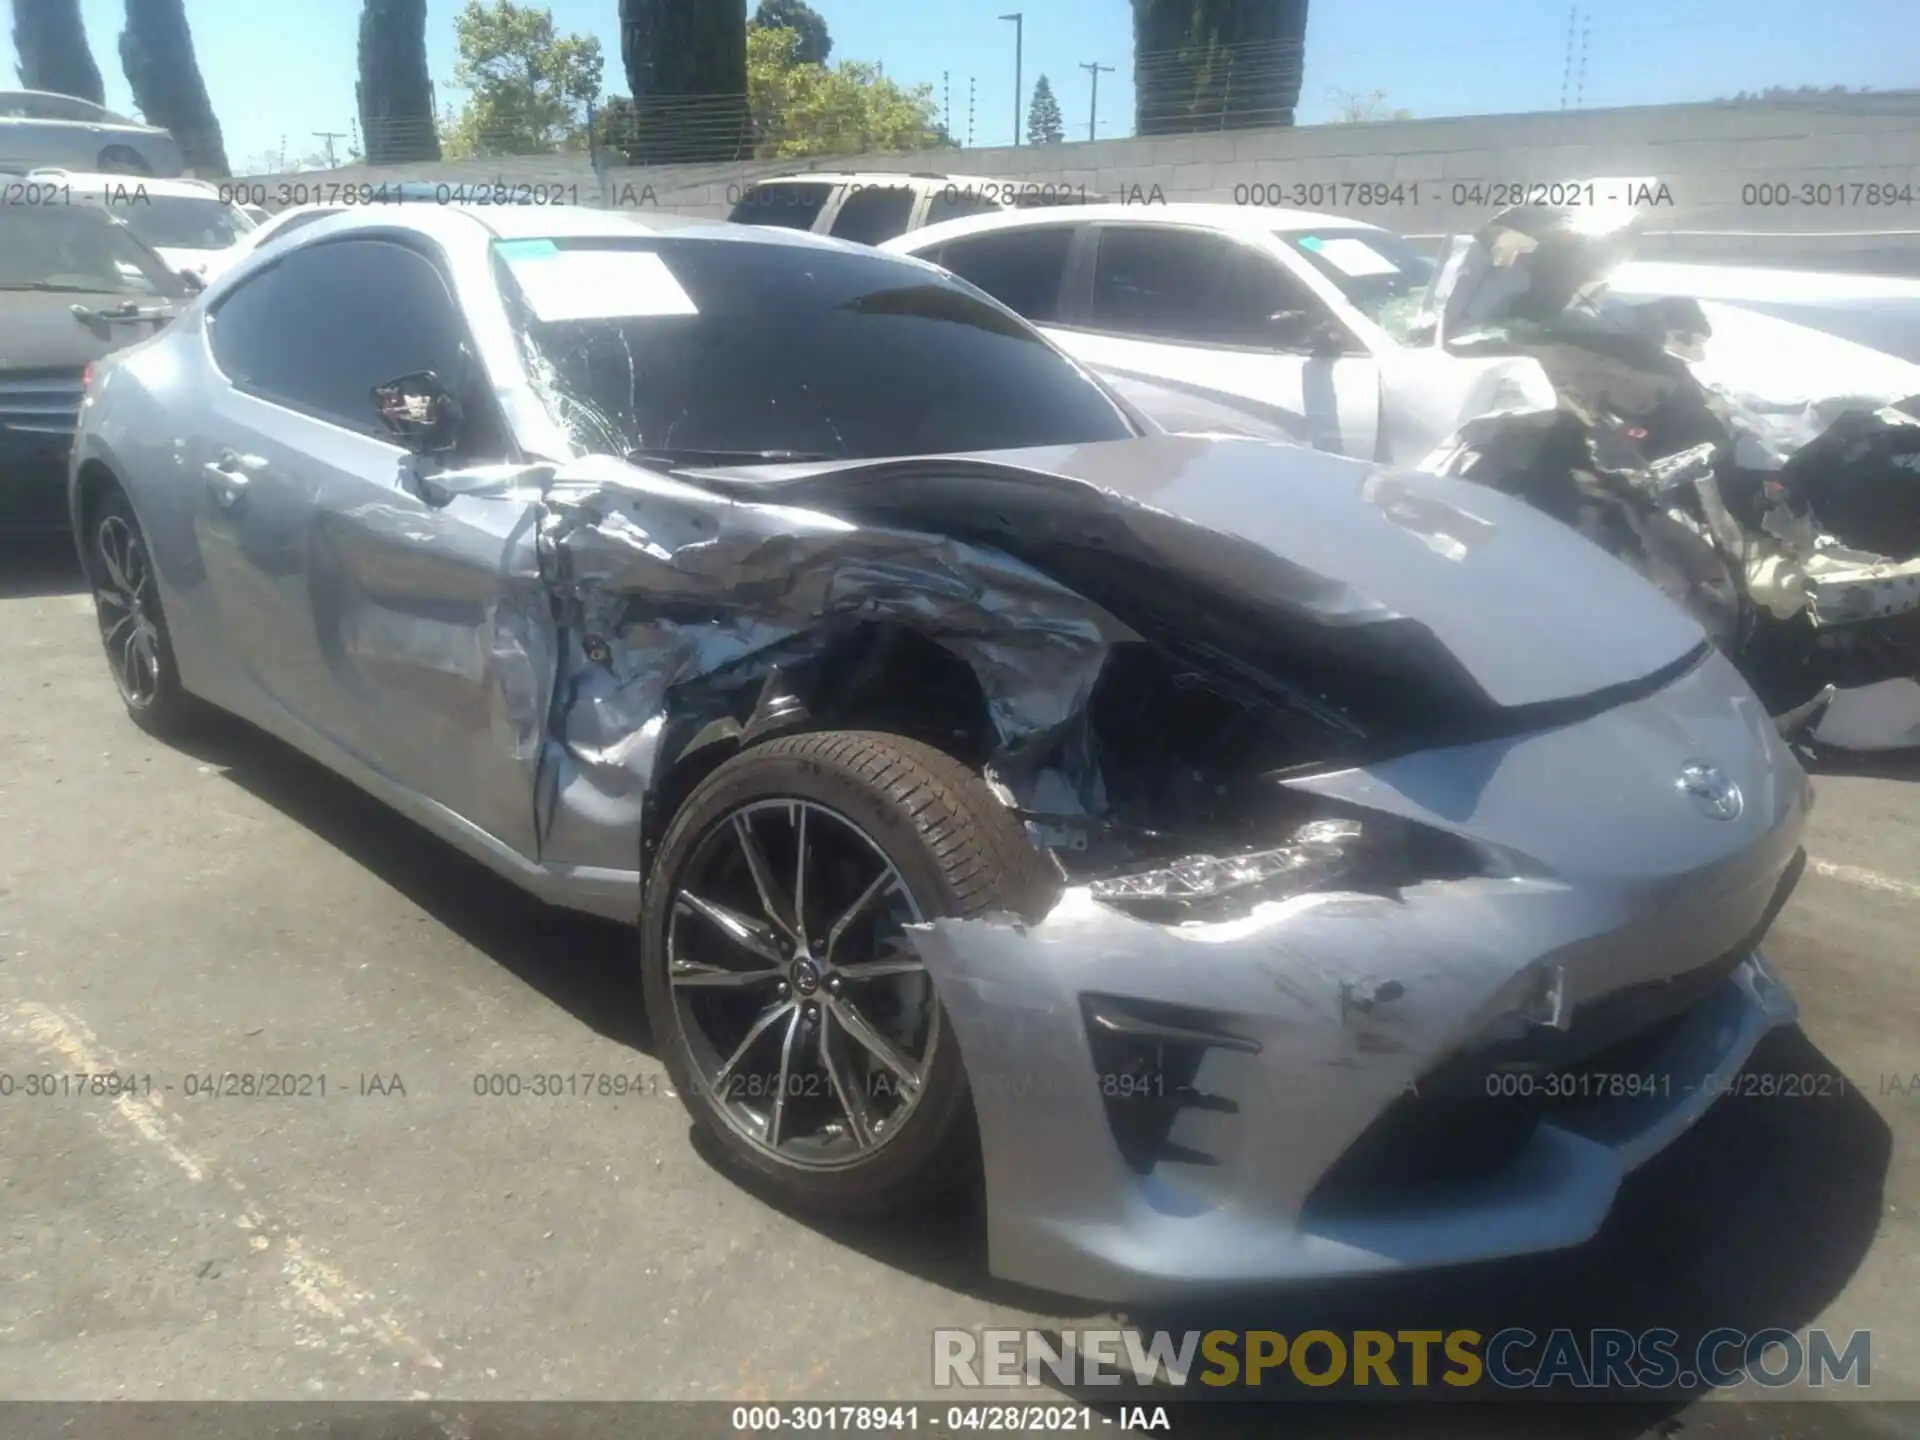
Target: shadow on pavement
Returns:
[[34, 563], [1872, 765], [586, 966]]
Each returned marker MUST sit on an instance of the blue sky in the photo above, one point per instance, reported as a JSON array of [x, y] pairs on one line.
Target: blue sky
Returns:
[[286, 69]]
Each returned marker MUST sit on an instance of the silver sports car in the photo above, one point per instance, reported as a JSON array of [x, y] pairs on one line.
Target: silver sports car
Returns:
[[1247, 862]]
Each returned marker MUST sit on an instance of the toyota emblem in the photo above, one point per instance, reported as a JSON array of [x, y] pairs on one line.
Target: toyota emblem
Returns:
[[1716, 795]]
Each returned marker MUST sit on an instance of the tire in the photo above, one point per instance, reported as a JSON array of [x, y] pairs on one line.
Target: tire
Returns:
[[138, 645], [955, 851], [124, 160]]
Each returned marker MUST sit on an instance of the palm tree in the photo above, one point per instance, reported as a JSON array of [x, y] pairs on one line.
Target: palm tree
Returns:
[[52, 44], [394, 93], [156, 51], [686, 62]]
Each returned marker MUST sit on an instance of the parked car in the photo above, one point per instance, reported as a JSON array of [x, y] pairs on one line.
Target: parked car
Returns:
[[1345, 337], [401, 192], [1195, 837], [870, 208], [38, 128], [75, 285], [185, 221]]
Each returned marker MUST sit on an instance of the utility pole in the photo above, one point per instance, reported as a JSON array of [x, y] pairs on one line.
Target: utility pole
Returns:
[[330, 136], [1019, 40], [971, 81], [1094, 68], [946, 96]]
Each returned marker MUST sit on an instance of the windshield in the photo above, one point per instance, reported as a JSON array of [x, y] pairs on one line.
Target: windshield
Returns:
[[1382, 275], [77, 248], [699, 350], [182, 222]]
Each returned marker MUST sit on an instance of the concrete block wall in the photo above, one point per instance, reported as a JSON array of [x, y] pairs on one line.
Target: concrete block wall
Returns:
[[1421, 177]]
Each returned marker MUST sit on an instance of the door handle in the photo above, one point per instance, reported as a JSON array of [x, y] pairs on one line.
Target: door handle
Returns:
[[227, 477]]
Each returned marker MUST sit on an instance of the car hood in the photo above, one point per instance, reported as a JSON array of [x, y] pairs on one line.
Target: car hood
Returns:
[[199, 262], [1286, 560], [46, 330]]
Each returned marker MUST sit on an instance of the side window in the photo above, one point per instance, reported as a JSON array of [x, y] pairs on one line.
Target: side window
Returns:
[[1205, 289], [319, 330], [872, 214], [956, 202], [786, 206], [1022, 269]]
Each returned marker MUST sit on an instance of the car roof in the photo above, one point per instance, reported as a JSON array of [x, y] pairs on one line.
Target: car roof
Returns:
[[881, 177], [566, 222], [1233, 219], [88, 181]]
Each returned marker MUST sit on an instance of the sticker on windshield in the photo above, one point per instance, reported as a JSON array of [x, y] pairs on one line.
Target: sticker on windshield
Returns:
[[595, 284], [1350, 256]]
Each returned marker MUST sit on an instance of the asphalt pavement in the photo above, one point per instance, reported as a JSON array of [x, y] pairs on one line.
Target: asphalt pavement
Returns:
[[175, 913]]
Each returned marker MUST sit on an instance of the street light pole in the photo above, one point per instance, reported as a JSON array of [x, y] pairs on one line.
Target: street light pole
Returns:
[[1094, 68], [1019, 37]]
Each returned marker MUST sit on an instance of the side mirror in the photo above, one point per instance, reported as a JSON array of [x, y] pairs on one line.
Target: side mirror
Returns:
[[193, 280], [1302, 332], [420, 413]]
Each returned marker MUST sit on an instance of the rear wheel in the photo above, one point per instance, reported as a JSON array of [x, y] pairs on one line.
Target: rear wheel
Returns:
[[795, 1017], [133, 629]]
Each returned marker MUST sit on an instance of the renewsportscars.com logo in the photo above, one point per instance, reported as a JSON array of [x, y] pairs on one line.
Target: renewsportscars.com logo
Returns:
[[1442, 1361]]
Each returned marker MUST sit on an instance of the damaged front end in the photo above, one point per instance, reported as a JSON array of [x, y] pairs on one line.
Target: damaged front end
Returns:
[[1780, 515], [1313, 828]]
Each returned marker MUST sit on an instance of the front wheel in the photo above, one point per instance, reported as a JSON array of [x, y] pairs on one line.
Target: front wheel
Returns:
[[798, 1023]]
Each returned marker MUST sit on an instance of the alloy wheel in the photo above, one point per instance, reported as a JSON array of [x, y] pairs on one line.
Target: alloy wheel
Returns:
[[125, 606], [810, 1020]]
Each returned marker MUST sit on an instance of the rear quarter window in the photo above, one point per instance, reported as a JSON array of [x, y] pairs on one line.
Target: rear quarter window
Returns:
[[786, 205]]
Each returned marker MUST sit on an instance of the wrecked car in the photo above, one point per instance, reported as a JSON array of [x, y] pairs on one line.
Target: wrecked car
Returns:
[[1763, 473], [1246, 862]]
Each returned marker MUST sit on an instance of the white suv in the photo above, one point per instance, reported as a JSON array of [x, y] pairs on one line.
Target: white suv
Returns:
[[188, 221], [877, 206]]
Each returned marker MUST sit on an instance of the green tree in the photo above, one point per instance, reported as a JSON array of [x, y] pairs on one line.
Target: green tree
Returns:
[[527, 85], [1044, 126], [816, 45], [1216, 64], [156, 51], [1361, 107], [844, 109], [394, 94], [1790, 92], [51, 41]]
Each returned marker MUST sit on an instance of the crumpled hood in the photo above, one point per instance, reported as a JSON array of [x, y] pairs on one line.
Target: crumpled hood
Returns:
[[1256, 550], [1530, 262]]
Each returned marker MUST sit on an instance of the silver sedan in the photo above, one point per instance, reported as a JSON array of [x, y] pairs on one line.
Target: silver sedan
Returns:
[[1249, 862]]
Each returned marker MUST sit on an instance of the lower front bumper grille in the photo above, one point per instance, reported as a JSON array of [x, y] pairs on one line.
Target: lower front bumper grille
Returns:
[[1472, 1115], [37, 406]]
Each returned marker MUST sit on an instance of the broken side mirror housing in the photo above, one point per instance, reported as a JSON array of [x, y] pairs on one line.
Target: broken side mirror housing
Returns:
[[420, 413], [1303, 332]]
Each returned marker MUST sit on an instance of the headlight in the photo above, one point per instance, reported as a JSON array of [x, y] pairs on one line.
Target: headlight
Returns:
[[1318, 853], [1376, 855]]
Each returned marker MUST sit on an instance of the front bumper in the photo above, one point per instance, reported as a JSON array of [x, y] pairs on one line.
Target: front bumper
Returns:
[[39, 411], [1285, 1042]]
